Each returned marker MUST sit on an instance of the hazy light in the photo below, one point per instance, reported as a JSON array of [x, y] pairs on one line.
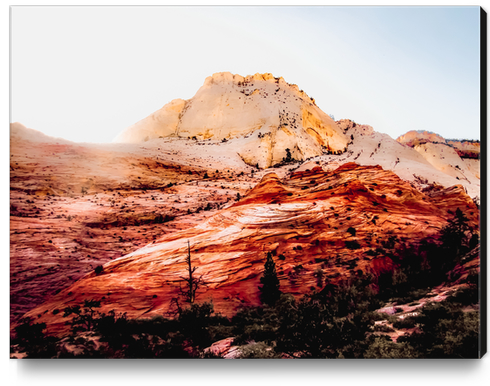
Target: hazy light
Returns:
[[85, 74]]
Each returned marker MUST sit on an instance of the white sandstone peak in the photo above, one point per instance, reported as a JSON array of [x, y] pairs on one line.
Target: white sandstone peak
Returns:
[[264, 114]]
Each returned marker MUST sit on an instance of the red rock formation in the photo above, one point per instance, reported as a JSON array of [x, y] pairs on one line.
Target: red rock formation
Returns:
[[74, 207], [304, 220]]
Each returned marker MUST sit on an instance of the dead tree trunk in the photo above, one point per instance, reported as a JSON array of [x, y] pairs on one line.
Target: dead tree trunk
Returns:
[[192, 282]]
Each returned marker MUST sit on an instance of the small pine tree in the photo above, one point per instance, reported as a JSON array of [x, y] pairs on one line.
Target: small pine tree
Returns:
[[288, 157], [269, 292], [455, 236]]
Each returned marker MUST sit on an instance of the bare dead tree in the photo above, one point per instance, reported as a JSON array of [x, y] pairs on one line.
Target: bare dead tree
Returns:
[[192, 281], [188, 292]]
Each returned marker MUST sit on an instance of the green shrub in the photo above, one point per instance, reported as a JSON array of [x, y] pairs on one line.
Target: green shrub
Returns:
[[31, 339], [465, 296], [445, 332], [384, 347], [257, 350], [383, 328]]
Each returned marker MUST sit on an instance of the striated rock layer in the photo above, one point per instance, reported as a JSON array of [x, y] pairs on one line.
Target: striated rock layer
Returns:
[[76, 206], [268, 114], [314, 220]]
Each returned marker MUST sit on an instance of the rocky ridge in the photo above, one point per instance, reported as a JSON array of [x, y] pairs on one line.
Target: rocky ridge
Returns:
[[425, 164]]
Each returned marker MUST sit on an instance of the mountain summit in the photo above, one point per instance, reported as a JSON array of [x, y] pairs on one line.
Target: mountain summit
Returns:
[[266, 115]]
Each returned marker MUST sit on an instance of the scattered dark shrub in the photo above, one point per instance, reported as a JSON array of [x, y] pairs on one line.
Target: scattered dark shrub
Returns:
[[352, 231], [352, 244]]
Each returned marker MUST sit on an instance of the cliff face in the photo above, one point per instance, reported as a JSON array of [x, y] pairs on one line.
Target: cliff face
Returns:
[[314, 220], [266, 114]]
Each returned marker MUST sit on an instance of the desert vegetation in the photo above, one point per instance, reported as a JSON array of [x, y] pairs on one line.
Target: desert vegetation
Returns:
[[331, 321]]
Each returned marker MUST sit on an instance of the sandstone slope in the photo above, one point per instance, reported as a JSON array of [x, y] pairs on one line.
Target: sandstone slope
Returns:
[[76, 206], [267, 114], [459, 159], [305, 220], [438, 165]]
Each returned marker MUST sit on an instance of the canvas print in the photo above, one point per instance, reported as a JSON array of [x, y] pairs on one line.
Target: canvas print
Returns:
[[246, 182]]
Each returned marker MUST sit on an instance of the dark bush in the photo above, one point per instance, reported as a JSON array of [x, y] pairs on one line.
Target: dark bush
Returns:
[[352, 244], [445, 332], [382, 347], [383, 328]]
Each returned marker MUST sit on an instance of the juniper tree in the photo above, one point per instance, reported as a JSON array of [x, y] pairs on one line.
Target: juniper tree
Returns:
[[454, 240], [269, 292], [84, 318]]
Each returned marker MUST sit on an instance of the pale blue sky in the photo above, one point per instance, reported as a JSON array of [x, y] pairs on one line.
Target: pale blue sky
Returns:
[[85, 73]]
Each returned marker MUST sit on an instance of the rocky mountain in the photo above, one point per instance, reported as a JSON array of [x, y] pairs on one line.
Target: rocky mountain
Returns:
[[261, 116], [249, 165], [266, 114]]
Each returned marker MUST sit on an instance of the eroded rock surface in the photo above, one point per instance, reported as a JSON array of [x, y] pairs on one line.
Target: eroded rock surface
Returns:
[[76, 206], [312, 221]]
